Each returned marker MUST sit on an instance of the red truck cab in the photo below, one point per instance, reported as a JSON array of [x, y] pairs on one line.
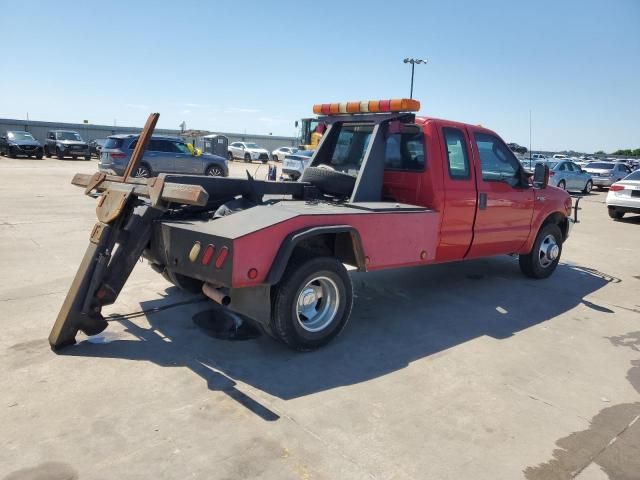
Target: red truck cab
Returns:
[[385, 189]]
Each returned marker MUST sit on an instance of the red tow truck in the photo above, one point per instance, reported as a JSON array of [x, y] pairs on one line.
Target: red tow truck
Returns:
[[385, 189]]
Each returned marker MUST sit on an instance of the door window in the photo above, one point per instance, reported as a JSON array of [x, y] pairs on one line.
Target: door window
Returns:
[[456, 153], [497, 161], [179, 147]]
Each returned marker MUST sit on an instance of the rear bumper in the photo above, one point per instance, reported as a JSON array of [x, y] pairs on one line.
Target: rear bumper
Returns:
[[602, 182]]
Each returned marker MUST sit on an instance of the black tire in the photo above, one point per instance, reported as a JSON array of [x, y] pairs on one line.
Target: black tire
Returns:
[[230, 156], [142, 171], [12, 153], [247, 157], [214, 171], [87, 157], [187, 284], [588, 187], [534, 264], [562, 184], [329, 181], [265, 160], [46, 152], [39, 156], [74, 157], [59, 155], [288, 325], [599, 188], [615, 214], [275, 158]]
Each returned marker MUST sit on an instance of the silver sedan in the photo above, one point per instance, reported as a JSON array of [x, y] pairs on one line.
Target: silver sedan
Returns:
[[567, 175]]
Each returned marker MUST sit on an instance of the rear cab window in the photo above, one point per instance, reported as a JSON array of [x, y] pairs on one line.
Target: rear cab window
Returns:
[[405, 150], [457, 156]]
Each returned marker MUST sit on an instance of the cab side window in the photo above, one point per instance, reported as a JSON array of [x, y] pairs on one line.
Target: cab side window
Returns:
[[405, 150], [457, 156], [497, 161]]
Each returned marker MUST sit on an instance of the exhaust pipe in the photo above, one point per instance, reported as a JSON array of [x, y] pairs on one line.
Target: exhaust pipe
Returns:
[[215, 294]]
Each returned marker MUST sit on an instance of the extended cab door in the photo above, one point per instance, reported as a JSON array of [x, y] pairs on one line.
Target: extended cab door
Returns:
[[459, 191], [505, 198]]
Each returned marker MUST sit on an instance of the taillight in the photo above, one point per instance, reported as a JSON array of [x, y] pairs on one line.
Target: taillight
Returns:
[[616, 188], [551, 173], [208, 254], [118, 155], [222, 256]]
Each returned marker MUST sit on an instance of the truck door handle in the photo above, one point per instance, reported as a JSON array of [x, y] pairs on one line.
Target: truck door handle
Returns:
[[482, 201]]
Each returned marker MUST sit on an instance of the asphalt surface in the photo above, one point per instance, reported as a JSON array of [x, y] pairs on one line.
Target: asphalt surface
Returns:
[[458, 371]]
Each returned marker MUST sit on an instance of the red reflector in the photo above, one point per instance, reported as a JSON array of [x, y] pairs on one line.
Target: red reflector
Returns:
[[208, 254], [385, 105], [222, 256], [252, 274], [616, 188]]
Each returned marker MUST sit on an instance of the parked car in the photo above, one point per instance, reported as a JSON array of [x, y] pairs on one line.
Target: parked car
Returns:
[[16, 143], [538, 156], [569, 176], [66, 143], [295, 164], [95, 146], [279, 154], [624, 196], [248, 152], [163, 155], [605, 174], [559, 156]]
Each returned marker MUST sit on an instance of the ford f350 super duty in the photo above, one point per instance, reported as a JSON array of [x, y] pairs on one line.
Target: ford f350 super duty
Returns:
[[385, 189]]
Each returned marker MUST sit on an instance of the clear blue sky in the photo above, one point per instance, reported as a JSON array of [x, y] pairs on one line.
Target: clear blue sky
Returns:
[[258, 66]]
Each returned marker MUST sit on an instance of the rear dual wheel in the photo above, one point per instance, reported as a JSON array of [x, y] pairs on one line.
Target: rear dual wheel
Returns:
[[312, 303]]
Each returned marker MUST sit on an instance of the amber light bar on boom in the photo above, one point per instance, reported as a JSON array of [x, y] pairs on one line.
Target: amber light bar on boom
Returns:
[[367, 106]]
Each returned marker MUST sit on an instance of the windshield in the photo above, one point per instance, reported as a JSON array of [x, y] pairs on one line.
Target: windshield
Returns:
[[606, 166], [20, 136], [251, 145], [551, 164], [68, 136]]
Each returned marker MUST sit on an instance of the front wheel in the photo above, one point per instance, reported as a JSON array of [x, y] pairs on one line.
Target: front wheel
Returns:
[[247, 157], [87, 157], [562, 185], [230, 156], [275, 158], [588, 187], [214, 171], [545, 254], [12, 153], [312, 303]]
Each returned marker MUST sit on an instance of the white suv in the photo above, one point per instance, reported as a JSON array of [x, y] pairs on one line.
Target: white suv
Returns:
[[248, 152]]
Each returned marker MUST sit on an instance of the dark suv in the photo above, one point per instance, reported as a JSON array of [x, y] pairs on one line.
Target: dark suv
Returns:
[[163, 155], [15, 142], [66, 143]]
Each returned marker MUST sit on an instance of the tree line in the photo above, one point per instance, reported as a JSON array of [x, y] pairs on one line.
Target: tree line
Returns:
[[628, 152]]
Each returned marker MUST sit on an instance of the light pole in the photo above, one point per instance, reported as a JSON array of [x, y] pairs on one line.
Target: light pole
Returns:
[[413, 62]]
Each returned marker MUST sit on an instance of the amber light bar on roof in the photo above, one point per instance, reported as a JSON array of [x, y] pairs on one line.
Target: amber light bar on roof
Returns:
[[367, 106]]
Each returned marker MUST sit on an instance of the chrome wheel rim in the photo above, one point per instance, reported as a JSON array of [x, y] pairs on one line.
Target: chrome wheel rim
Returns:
[[562, 185], [589, 186], [549, 251], [215, 172], [141, 172], [317, 304]]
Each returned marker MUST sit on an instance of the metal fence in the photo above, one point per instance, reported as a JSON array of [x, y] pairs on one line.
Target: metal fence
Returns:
[[90, 132]]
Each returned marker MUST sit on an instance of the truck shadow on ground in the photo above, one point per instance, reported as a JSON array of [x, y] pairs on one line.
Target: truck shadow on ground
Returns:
[[399, 316]]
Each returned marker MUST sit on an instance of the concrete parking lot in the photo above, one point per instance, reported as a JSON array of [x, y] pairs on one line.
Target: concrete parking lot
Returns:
[[459, 371]]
